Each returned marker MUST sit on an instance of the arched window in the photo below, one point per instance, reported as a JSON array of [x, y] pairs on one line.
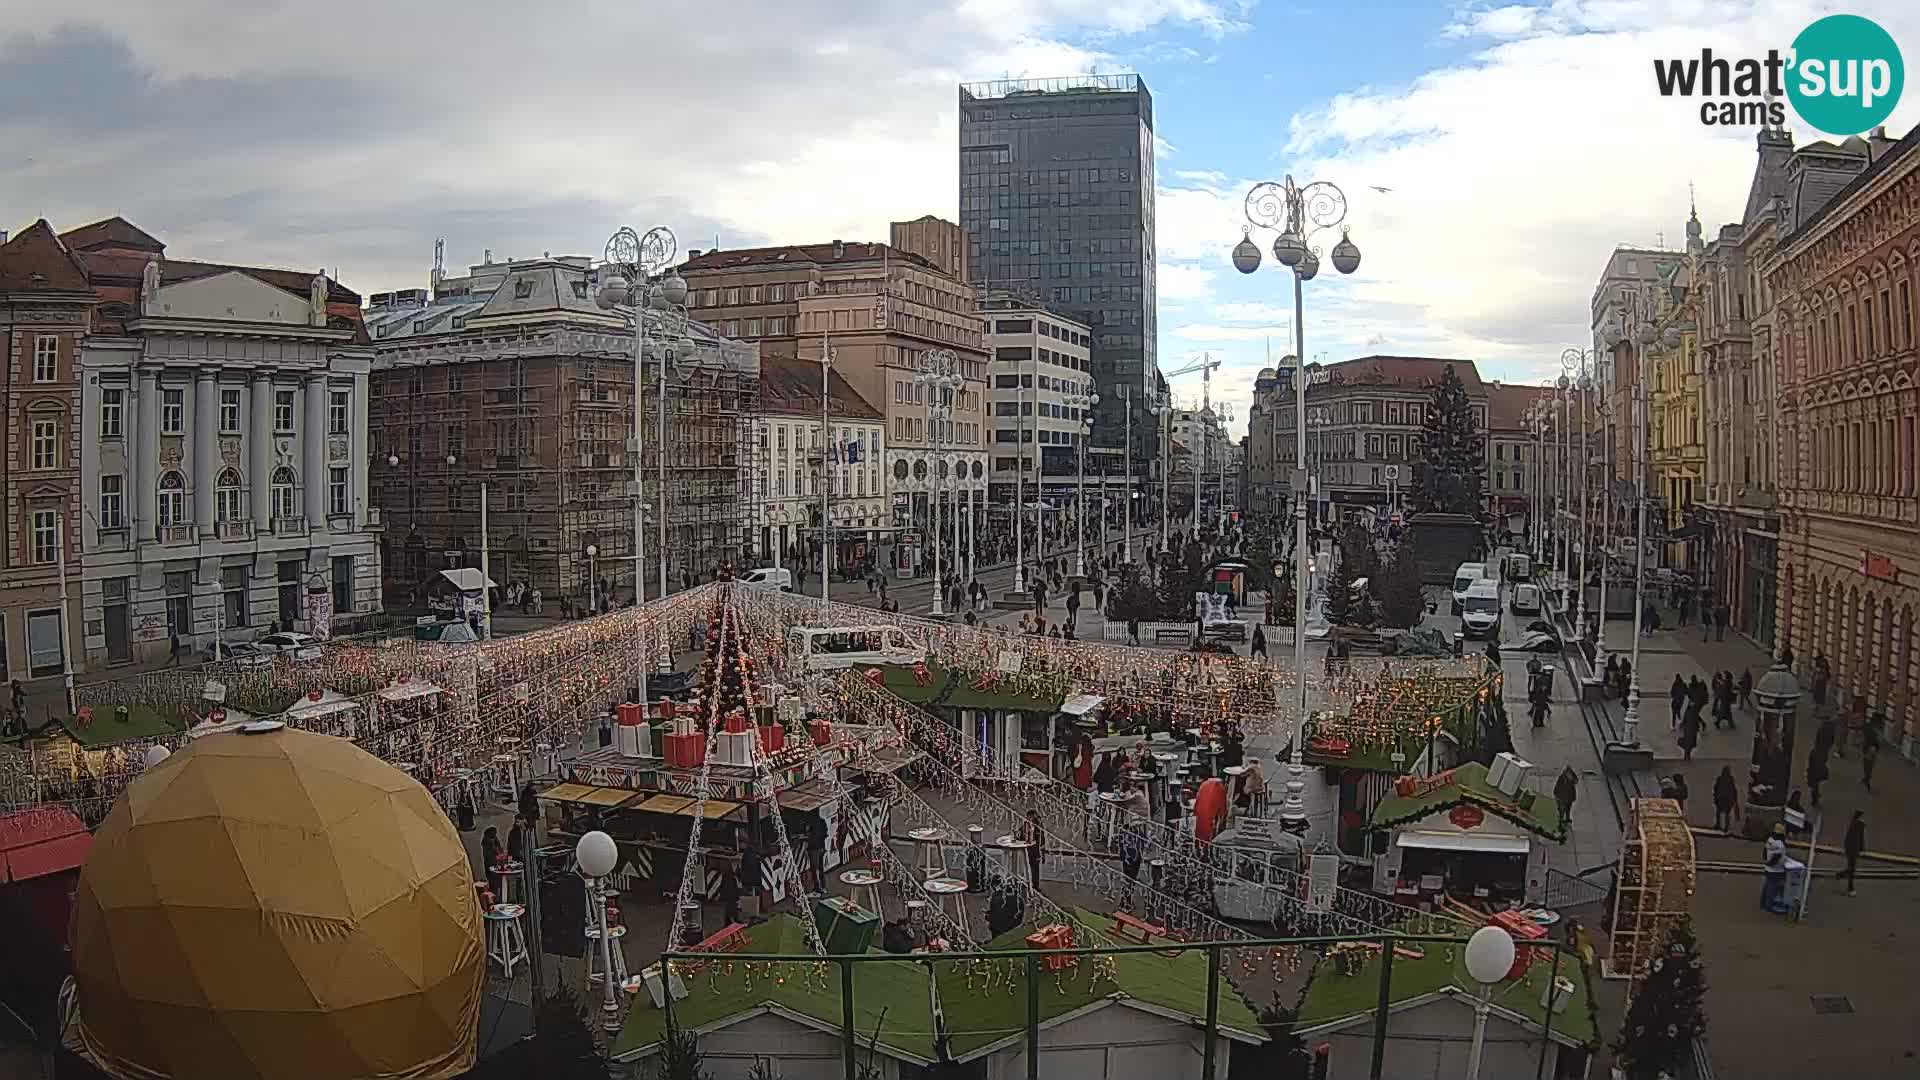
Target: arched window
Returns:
[[280, 494], [229, 497], [173, 499]]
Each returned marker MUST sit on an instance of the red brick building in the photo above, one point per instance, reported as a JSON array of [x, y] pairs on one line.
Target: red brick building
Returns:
[[1844, 279]]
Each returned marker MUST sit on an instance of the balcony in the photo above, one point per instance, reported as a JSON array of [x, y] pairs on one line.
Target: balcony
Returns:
[[235, 530], [179, 534], [293, 528]]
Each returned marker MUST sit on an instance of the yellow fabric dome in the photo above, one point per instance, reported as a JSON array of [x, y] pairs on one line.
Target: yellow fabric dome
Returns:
[[283, 905]]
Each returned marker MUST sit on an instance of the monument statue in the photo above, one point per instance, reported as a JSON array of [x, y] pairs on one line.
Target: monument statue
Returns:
[[317, 300], [150, 285]]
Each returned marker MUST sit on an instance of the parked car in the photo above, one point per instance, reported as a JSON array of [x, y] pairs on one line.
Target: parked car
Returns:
[[769, 579], [238, 653], [1526, 599], [286, 643]]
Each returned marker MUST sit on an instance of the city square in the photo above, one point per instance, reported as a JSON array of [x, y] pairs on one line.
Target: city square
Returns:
[[977, 578]]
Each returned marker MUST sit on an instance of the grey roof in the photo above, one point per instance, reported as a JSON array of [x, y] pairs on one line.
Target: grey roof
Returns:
[[396, 324], [1822, 188]]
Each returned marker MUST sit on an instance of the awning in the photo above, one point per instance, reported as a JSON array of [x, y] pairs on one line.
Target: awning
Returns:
[[587, 795], [408, 690], [684, 806], [41, 840], [1489, 844], [1081, 704], [811, 795], [467, 579], [889, 760], [329, 703]]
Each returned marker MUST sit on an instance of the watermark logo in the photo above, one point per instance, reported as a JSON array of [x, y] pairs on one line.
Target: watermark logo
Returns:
[[1843, 75]]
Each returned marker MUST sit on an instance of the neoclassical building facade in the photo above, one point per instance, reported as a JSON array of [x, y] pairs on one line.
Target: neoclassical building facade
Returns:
[[1843, 281]]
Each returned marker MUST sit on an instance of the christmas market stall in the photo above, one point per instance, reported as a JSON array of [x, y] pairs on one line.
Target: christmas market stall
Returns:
[[1009, 718], [1471, 833]]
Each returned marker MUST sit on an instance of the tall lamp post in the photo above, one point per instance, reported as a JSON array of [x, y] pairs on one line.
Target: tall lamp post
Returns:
[[1162, 411], [1082, 404], [1020, 481], [1574, 363], [939, 372], [597, 856], [1298, 213], [593, 601], [1644, 337], [1489, 960], [640, 279], [1126, 403], [1603, 412]]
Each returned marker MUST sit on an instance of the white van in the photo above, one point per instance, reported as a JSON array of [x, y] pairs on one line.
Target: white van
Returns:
[[769, 579], [1464, 576], [1480, 609]]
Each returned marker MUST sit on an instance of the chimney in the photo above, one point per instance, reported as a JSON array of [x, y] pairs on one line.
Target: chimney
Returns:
[[839, 249], [3, 236], [693, 253]]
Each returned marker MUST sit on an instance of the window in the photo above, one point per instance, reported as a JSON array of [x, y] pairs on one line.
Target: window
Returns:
[[45, 536], [342, 583], [283, 411], [173, 499], [337, 501], [46, 444], [179, 592], [46, 643], [753, 327], [233, 595], [280, 494], [522, 288], [733, 296], [229, 497], [230, 412], [113, 502], [113, 403], [46, 358], [173, 412], [337, 411]]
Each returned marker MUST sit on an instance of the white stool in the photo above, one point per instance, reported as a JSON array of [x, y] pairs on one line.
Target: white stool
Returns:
[[865, 889], [506, 776], [506, 941], [510, 882], [594, 970], [917, 914]]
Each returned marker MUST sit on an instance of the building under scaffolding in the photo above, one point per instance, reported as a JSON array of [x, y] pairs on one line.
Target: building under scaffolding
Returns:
[[513, 379]]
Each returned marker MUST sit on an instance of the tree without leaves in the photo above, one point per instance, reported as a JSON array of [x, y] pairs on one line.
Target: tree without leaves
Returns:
[[1667, 1011], [1451, 474]]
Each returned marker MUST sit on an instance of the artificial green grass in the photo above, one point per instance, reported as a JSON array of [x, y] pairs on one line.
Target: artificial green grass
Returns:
[[954, 690], [977, 1015], [142, 722], [1469, 785], [1332, 995], [723, 989]]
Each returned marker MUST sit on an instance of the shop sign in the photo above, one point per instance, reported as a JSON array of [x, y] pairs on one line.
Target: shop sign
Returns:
[[1878, 567], [1467, 816]]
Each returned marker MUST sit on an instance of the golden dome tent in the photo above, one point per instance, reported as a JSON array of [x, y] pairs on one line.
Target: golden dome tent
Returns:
[[275, 903]]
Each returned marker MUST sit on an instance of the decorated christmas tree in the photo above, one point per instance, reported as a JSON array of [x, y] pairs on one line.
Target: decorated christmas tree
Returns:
[[1340, 592], [1666, 1012], [1450, 476], [1402, 597]]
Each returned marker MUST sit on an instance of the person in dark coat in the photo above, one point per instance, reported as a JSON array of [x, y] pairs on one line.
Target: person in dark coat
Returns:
[[1726, 800], [1259, 647], [1816, 775], [1697, 698], [1677, 700], [490, 858], [1689, 733], [1566, 788], [1856, 843]]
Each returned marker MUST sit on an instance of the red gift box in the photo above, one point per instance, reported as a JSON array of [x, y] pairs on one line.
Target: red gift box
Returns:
[[822, 732], [685, 751], [1054, 936], [1523, 930], [736, 722], [773, 738], [629, 714]]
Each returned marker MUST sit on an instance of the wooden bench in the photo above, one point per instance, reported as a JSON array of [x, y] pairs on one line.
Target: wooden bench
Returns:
[[1127, 928], [731, 939]]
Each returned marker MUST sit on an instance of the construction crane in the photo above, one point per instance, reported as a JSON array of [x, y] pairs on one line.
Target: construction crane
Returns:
[[1204, 366]]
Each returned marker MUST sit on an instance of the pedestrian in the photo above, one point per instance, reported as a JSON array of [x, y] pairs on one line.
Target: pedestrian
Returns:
[[490, 853], [1746, 690], [1726, 800], [1677, 783], [173, 647], [1723, 700], [1816, 774], [817, 851], [1612, 674], [1855, 843], [1566, 788], [1773, 863], [1697, 697], [751, 884], [1133, 630], [1869, 756], [1677, 699], [1721, 613], [1706, 621], [1259, 646], [1689, 733], [1035, 835]]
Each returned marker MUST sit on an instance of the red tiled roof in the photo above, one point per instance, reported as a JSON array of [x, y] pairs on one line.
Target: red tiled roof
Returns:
[[792, 387], [800, 254], [36, 261], [114, 232], [41, 840], [1411, 371], [1507, 405]]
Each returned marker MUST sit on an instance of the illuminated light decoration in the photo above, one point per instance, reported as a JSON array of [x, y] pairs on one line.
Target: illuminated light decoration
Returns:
[[1655, 884]]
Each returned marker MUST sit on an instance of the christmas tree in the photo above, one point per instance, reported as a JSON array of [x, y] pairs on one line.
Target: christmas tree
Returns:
[[1450, 477], [1666, 1012], [1340, 591], [1280, 601], [563, 1048], [1402, 594]]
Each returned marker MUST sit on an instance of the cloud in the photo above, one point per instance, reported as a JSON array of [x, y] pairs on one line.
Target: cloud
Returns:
[[352, 134]]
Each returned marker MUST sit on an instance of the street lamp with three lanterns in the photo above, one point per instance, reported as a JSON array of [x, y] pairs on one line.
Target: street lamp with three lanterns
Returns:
[[1083, 405], [938, 371]]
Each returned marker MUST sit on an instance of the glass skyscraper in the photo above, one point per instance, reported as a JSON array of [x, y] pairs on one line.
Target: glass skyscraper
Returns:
[[1056, 197]]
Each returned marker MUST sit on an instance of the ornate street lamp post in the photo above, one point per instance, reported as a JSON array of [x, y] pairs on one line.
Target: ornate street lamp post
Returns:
[[939, 372]]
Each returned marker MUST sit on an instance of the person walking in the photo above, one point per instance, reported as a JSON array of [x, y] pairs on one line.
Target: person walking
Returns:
[[1773, 864], [1816, 774], [1726, 800], [1677, 700], [1689, 733], [1723, 700], [173, 648], [1855, 843], [1566, 788], [1035, 835], [1259, 646], [1721, 613], [1745, 690], [1869, 755]]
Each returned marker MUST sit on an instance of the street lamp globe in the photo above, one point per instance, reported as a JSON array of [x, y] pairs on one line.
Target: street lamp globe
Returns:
[[1246, 255], [452, 460], [393, 461], [156, 754], [1489, 955], [597, 855], [592, 550], [1346, 254], [1586, 382], [1309, 267], [613, 293], [1565, 382], [672, 292], [1289, 248]]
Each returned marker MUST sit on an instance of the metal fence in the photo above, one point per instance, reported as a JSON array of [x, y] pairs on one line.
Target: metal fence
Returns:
[[793, 984]]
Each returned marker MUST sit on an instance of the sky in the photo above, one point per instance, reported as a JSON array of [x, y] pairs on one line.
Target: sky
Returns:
[[1491, 155]]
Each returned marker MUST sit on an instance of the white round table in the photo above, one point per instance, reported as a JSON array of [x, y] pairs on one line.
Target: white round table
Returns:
[[866, 881], [1013, 846], [933, 862], [946, 892]]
